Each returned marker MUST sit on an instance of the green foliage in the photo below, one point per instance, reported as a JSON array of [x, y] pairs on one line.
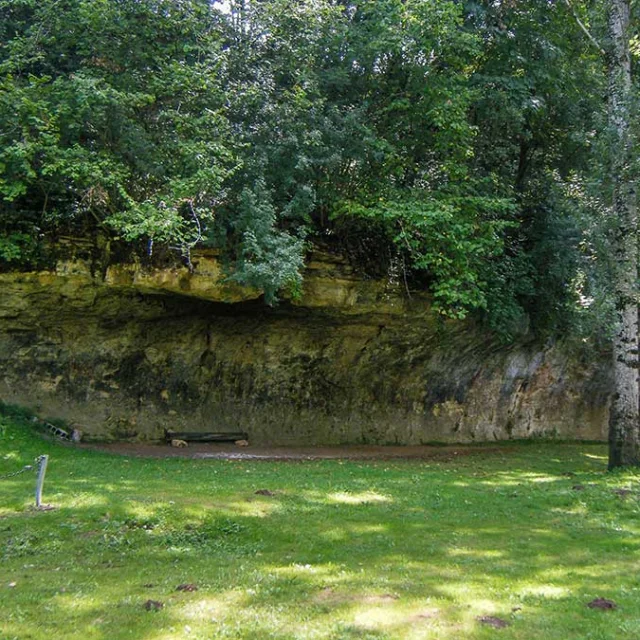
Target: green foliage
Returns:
[[110, 116], [455, 240], [538, 100], [17, 248], [448, 127], [267, 257]]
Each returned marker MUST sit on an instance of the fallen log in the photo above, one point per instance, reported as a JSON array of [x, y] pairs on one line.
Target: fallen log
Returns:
[[204, 436]]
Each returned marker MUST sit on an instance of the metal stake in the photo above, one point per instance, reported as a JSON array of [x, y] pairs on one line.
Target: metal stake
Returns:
[[42, 469]]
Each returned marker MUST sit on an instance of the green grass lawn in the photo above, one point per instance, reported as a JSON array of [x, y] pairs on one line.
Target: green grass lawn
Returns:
[[400, 549]]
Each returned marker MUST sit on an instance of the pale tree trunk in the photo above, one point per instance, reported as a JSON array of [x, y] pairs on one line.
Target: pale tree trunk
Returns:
[[624, 426]]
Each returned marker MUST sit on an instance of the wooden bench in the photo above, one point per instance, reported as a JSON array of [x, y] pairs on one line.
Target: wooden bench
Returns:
[[204, 436]]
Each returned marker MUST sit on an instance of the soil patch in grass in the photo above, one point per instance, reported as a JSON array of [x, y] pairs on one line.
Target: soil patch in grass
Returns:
[[200, 451]]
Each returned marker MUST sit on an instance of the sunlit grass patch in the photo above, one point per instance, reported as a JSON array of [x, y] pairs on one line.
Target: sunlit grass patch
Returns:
[[364, 497], [319, 550]]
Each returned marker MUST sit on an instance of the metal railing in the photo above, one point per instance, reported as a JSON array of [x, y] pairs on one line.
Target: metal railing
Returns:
[[41, 466]]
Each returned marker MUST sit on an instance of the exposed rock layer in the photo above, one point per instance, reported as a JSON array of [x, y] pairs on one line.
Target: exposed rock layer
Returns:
[[128, 352]]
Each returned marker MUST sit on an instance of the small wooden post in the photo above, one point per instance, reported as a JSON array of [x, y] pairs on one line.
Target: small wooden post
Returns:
[[42, 469]]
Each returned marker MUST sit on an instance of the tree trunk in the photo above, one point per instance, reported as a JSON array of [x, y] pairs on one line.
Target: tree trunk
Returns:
[[624, 427]]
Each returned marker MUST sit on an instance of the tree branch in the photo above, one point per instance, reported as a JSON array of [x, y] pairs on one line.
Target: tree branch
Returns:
[[592, 40]]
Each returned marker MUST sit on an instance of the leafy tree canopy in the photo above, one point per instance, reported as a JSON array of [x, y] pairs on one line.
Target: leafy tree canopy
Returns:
[[451, 140]]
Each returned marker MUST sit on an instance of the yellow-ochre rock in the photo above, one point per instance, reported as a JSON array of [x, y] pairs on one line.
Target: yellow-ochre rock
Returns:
[[128, 350]]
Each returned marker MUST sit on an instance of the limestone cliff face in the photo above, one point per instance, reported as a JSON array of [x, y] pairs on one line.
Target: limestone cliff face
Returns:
[[130, 351]]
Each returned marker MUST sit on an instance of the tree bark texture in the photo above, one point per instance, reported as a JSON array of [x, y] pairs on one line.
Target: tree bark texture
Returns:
[[624, 426]]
